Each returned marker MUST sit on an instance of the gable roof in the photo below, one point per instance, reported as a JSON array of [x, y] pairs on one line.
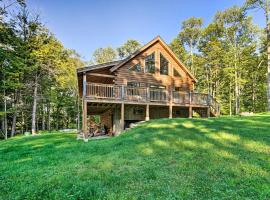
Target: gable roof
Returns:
[[155, 40], [98, 66]]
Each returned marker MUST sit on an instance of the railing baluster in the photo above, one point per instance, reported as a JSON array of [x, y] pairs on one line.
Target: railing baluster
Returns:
[[117, 92]]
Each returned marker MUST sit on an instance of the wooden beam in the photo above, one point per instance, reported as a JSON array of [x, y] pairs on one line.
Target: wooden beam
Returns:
[[208, 111], [84, 85], [147, 113], [170, 111], [101, 75], [190, 112], [171, 100], [84, 118], [122, 120]]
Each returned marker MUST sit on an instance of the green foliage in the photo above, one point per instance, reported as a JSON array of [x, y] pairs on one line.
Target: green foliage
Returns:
[[103, 55], [190, 35], [227, 58], [178, 49], [31, 57], [162, 159], [128, 48]]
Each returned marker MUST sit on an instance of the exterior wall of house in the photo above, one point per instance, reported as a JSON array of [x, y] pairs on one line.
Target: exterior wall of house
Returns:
[[106, 119], [124, 75], [157, 112], [117, 119], [135, 112]]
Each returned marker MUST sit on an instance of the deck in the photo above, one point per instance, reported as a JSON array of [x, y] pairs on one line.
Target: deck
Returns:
[[109, 93]]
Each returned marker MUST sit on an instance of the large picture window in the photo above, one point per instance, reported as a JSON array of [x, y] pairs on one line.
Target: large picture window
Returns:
[[150, 63], [164, 65], [176, 73], [136, 68]]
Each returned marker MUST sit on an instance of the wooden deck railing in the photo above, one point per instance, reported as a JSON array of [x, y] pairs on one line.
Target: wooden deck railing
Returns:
[[135, 94], [103, 91], [144, 94], [160, 95]]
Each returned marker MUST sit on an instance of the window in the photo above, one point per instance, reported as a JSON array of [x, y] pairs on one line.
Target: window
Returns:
[[157, 86], [135, 84], [138, 111], [136, 68], [177, 89], [164, 65], [176, 73], [150, 63]]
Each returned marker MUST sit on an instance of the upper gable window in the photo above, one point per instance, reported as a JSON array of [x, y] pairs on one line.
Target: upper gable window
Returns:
[[176, 73], [164, 65], [150, 63], [136, 68]]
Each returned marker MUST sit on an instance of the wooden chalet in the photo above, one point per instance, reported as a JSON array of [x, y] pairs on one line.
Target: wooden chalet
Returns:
[[151, 83]]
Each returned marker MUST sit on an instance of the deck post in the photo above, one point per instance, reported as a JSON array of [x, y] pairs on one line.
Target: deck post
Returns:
[[148, 94], [190, 112], [147, 112], [84, 108], [84, 85], [208, 105], [170, 103], [84, 118], [122, 92], [170, 111], [208, 111], [122, 120]]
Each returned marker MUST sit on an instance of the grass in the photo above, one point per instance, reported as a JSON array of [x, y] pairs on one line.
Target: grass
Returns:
[[223, 158]]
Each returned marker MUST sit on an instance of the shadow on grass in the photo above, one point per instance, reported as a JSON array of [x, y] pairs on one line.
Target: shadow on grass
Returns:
[[199, 158]]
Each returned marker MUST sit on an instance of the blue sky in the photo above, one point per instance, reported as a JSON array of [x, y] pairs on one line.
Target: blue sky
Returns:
[[85, 25]]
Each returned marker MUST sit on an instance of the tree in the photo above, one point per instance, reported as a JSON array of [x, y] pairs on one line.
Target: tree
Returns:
[[128, 48], [190, 35], [178, 48], [103, 55], [212, 54], [238, 35], [264, 5]]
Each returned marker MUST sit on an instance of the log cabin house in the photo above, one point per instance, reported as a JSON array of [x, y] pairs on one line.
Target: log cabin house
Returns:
[[149, 84]]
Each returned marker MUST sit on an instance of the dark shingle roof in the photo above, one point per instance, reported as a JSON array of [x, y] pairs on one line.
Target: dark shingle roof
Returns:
[[98, 66]]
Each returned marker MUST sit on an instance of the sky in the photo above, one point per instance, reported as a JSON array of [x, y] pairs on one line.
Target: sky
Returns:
[[85, 25]]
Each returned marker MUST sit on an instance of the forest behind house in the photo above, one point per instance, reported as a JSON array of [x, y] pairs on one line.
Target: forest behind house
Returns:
[[38, 88]]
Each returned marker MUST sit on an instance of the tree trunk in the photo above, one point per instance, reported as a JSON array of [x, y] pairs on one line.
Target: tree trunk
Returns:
[[253, 92], [268, 51], [191, 56], [22, 126], [49, 116], [34, 107], [230, 98], [43, 117], [57, 118], [236, 82], [14, 118]]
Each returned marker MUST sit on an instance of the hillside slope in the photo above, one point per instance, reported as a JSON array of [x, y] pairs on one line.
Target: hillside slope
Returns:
[[224, 158]]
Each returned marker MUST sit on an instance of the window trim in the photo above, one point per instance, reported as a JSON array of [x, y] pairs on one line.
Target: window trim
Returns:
[[130, 68], [174, 69], [168, 65], [145, 68]]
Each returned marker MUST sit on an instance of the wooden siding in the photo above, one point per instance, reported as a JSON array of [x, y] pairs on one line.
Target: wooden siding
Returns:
[[124, 75]]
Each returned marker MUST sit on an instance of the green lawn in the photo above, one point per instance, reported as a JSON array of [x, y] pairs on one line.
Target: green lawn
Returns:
[[223, 158]]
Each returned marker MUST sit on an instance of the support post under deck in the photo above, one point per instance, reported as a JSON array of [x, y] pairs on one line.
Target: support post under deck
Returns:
[[147, 112], [122, 120], [190, 112], [84, 118], [170, 111], [208, 111]]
